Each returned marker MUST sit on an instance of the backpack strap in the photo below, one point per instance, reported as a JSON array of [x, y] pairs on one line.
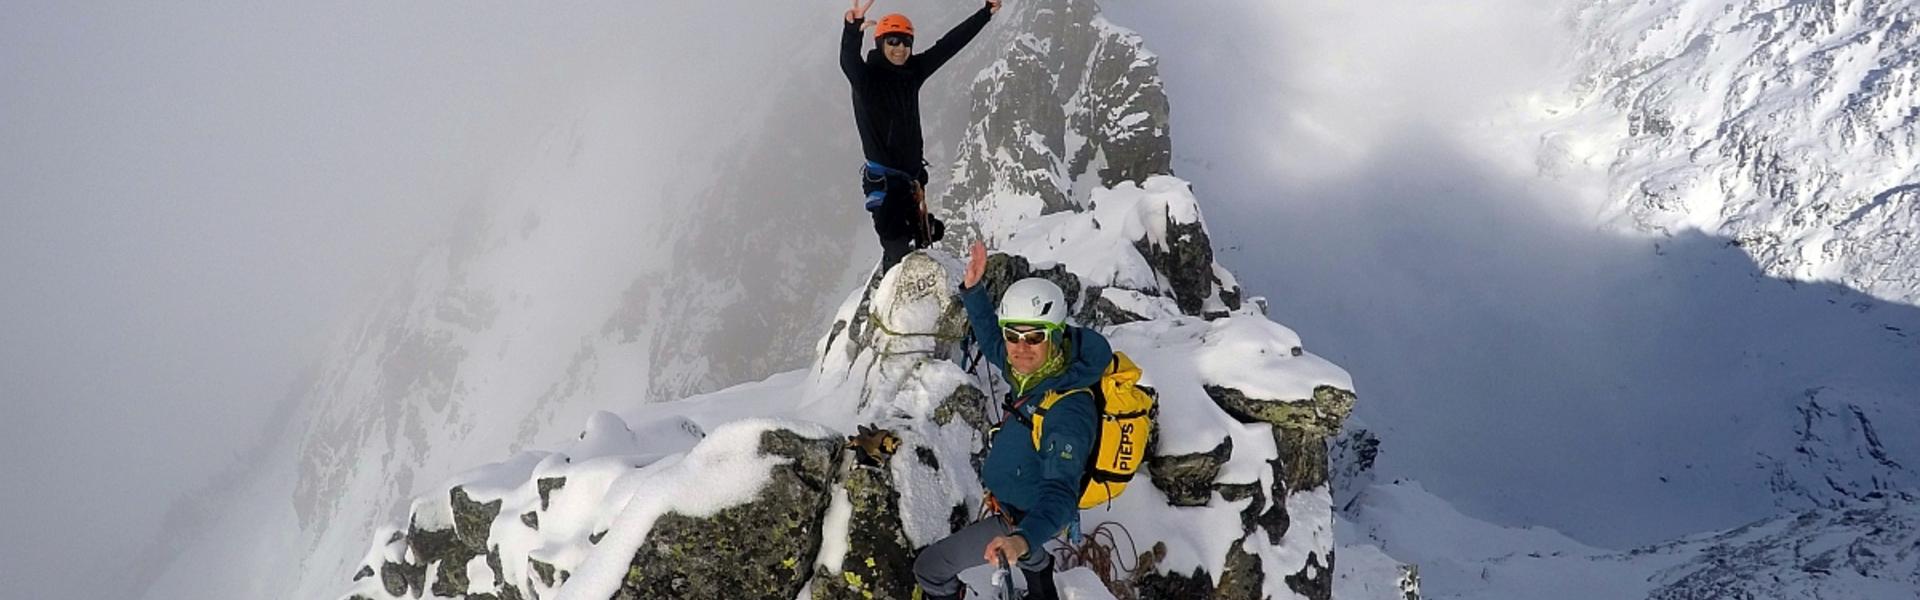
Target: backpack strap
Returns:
[[1046, 404]]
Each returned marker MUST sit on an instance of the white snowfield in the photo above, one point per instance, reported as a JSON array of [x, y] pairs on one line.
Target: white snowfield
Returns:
[[626, 471], [1787, 127], [1862, 551]]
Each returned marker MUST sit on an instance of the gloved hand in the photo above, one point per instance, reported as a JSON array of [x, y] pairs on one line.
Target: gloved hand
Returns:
[[875, 445]]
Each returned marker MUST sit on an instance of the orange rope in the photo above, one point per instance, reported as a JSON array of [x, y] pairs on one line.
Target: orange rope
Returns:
[[991, 506]]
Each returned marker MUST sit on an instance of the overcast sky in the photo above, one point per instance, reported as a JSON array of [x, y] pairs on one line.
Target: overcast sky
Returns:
[[192, 197]]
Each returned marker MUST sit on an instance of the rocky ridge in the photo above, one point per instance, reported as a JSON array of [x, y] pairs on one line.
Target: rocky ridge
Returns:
[[1239, 463]]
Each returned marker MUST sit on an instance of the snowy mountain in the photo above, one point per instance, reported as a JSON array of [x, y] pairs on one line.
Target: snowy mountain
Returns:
[[581, 393], [529, 321], [1789, 127], [1766, 147], [1863, 550], [1234, 502]]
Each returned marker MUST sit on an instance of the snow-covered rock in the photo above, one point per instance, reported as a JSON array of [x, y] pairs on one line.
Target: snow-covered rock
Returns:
[[1788, 127], [1235, 503], [1071, 104], [1063, 171]]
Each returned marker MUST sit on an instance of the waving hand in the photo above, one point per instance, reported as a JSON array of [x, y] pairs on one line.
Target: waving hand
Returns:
[[859, 11]]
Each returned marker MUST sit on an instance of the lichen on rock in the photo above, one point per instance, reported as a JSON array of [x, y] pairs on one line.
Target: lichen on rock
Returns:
[[761, 549], [1188, 479]]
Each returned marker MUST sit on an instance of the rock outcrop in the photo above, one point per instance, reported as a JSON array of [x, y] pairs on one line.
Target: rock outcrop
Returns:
[[760, 549], [1065, 170]]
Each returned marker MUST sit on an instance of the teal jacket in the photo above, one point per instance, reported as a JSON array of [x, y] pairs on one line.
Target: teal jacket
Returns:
[[1041, 485]]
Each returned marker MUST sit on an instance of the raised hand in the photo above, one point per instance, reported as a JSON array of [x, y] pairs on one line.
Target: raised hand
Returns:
[[977, 264], [993, 7], [859, 11]]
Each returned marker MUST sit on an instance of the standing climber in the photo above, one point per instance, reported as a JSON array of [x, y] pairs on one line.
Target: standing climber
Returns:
[[1035, 485], [886, 109]]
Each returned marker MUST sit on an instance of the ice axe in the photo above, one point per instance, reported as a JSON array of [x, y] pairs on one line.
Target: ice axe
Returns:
[[1003, 579], [926, 226]]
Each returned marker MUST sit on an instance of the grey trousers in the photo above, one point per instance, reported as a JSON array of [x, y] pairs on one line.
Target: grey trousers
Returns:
[[939, 565]]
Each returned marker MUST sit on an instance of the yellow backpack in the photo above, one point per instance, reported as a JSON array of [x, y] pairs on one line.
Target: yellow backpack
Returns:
[[1126, 424]]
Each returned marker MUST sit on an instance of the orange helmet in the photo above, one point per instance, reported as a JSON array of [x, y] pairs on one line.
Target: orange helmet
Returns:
[[893, 23]]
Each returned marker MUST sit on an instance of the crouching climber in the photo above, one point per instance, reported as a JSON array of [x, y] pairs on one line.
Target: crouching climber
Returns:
[[1037, 487]]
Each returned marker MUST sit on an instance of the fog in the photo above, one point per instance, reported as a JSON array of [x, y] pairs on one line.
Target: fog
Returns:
[[195, 197]]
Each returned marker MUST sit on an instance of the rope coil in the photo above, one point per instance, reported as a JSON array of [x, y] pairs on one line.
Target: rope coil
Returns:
[[1100, 552]]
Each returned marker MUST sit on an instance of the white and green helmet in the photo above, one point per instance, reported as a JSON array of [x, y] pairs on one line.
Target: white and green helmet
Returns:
[[1034, 301]]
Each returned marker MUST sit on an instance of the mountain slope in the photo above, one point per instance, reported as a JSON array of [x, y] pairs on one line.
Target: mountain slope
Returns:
[[1789, 127]]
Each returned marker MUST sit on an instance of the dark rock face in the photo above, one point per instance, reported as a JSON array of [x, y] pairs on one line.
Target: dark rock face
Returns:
[[1123, 112], [1104, 313], [472, 520], [762, 549], [1241, 579], [1187, 263], [1187, 479], [965, 403], [1275, 520], [547, 486], [879, 560], [1021, 104], [448, 551], [1301, 428], [1354, 453], [1251, 516], [1151, 584], [398, 578], [1314, 581], [453, 549], [968, 404], [542, 570], [1069, 95]]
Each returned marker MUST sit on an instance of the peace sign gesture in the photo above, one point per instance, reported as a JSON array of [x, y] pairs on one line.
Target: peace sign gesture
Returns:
[[859, 11]]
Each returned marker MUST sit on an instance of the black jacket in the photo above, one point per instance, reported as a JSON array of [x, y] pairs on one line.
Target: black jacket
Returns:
[[886, 98]]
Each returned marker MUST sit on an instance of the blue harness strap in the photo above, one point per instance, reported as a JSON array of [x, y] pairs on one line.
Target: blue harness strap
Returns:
[[874, 171]]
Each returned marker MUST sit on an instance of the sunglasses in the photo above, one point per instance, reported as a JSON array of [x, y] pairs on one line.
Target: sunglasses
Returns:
[[897, 40], [1024, 336]]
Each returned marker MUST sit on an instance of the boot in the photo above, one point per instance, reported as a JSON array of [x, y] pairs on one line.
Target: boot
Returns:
[[920, 594], [1040, 585]]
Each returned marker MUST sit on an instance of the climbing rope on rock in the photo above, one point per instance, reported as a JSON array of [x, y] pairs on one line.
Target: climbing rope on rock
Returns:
[[1100, 552]]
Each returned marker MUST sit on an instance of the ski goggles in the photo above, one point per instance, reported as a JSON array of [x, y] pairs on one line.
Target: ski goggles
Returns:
[[897, 40], [1027, 336]]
